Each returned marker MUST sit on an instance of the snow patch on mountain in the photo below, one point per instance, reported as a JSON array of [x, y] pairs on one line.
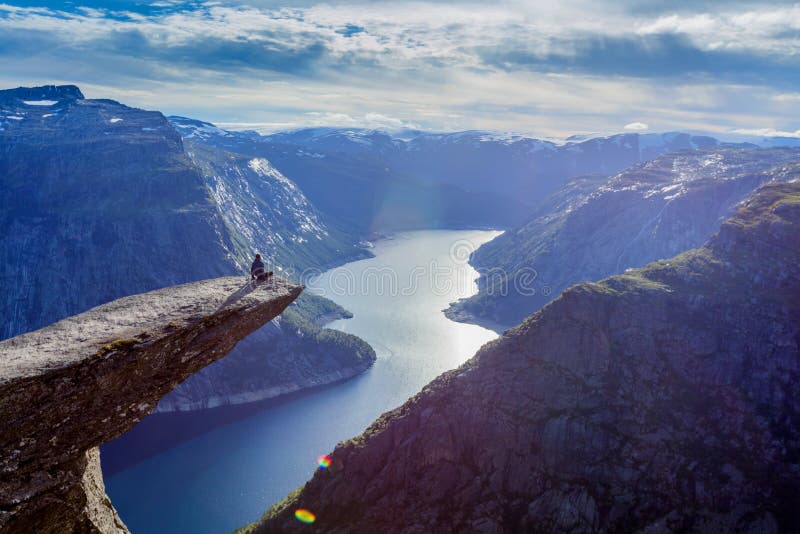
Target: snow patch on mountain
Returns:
[[40, 102], [194, 129]]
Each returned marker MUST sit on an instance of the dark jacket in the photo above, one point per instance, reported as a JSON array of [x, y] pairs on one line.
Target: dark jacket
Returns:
[[258, 265]]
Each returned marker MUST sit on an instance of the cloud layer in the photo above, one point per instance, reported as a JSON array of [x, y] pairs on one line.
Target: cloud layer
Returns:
[[577, 66]]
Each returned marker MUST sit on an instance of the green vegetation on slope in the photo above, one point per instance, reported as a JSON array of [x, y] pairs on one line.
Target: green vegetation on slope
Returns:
[[305, 318]]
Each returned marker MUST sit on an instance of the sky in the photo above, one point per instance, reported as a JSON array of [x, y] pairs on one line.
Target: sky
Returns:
[[549, 69]]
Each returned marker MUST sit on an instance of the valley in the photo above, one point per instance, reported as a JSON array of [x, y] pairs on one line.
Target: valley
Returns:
[[229, 474]]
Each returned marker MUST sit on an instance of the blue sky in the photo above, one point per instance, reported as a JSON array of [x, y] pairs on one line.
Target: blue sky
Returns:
[[542, 68]]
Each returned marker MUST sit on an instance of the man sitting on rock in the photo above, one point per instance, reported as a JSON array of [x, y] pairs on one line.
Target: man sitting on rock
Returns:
[[258, 271]]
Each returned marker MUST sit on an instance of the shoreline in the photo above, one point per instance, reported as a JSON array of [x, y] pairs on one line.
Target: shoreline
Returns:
[[458, 315]]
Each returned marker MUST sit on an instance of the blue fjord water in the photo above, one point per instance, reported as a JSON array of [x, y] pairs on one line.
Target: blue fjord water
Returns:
[[229, 475]]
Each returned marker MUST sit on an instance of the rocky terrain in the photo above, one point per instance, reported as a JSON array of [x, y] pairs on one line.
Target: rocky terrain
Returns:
[[660, 400], [593, 228], [99, 200], [67, 388]]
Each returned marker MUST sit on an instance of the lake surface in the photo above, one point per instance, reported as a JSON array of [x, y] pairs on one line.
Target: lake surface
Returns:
[[231, 474]]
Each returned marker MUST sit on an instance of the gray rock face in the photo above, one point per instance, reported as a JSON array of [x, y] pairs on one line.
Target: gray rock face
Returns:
[[660, 400], [267, 212], [595, 228], [85, 380]]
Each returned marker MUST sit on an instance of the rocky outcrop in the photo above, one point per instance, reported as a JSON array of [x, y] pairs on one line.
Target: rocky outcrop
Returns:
[[661, 400], [594, 228], [85, 380], [58, 93], [300, 355]]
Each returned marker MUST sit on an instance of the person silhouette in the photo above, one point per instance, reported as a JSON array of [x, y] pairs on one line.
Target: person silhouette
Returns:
[[258, 271]]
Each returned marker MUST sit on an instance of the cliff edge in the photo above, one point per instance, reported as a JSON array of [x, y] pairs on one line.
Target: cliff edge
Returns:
[[661, 400], [67, 388]]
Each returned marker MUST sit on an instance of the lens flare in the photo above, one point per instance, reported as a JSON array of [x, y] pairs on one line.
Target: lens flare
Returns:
[[324, 461], [304, 516]]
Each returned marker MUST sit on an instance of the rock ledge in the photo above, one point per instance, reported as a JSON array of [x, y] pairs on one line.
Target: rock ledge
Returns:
[[67, 388]]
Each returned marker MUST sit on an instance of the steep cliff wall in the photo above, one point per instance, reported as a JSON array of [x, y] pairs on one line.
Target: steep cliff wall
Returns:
[[661, 400], [69, 387]]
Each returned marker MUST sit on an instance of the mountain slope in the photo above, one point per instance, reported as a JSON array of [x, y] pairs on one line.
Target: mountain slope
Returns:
[[362, 190], [659, 400], [267, 212], [592, 228], [99, 200]]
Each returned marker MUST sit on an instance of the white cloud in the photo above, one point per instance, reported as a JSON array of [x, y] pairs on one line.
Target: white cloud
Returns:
[[762, 30], [637, 126], [401, 34], [415, 64], [787, 97], [766, 132]]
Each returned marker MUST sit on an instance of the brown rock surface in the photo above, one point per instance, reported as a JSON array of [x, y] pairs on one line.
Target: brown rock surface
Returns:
[[83, 381], [661, 400]]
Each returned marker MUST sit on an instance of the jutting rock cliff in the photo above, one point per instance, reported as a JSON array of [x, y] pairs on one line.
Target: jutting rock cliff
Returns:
[[67, 388]]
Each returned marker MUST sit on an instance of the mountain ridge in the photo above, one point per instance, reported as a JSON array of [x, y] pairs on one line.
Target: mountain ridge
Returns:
[[600, 227]]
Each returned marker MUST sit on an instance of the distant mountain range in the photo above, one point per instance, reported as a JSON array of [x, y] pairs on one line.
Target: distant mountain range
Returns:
[[377, 181]]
